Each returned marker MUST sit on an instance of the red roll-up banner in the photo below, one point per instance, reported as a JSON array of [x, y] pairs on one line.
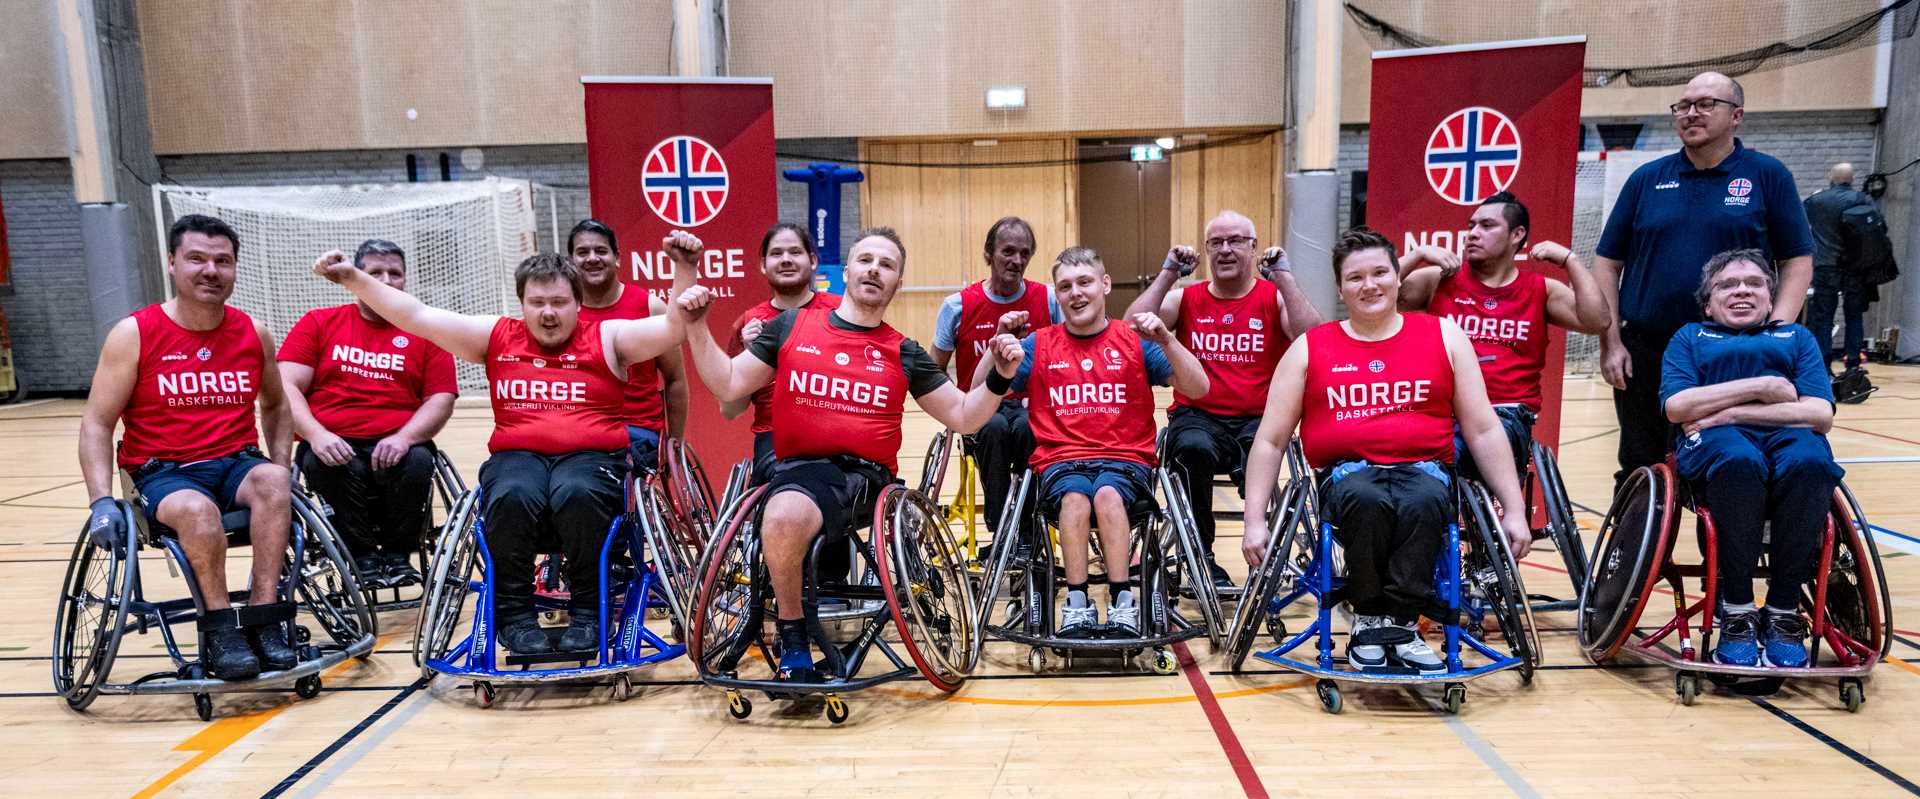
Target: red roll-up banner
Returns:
[[692, 154], [1451, 126]]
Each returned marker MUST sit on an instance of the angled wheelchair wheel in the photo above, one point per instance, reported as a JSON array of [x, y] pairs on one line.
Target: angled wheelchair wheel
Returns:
[[1192, 556], [1276, 572], [325, 580], [924, 577], [92, 614], [727, 607], [1491, 579], [450, 575], [671, 545], [1633, 546], [1857, 594], [692, 493], [737, 479], [933, 470], [1561, 526]]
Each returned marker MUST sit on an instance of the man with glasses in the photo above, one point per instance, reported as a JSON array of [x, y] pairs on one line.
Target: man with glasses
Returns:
[[1238, 326], [1672, 215]]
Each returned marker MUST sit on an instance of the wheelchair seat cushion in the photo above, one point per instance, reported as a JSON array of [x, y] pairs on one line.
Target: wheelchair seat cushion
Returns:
[[844, 489]]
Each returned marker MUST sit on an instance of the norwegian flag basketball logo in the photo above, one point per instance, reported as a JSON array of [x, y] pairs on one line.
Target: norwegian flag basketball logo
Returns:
[[1740, 187], [685, 181], [1473, 154]]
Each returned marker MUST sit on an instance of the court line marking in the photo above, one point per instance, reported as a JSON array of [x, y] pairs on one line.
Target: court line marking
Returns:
[[1851, 753], [1482, 749], [1877, 435], [353, 758], [1222, 728], [1138, 701], [1880, 459]]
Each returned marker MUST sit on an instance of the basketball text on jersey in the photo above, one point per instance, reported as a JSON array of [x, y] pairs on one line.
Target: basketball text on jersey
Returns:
[[1482, 328], [1074, 399], [363, 363], [1227, 347], [205, 388]]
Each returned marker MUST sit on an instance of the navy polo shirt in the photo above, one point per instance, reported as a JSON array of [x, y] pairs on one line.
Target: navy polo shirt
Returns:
[[1706, 353], [1671, 217]]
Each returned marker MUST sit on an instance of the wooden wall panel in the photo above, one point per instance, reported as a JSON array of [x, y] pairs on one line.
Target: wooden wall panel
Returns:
[[31, 78], [1242, 177], [943, 213]]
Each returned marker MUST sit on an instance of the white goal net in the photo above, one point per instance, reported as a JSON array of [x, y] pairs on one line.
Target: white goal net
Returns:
[[462, 241]]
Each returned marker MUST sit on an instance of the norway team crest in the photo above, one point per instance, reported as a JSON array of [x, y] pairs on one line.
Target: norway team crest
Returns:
[[1473, 154], [685, 181]]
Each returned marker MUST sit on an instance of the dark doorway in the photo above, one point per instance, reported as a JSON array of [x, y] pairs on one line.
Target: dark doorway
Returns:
[[1125, 214]]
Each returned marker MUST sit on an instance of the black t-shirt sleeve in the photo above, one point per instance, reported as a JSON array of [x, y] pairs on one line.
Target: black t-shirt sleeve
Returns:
[[772, 337], [923, 376]]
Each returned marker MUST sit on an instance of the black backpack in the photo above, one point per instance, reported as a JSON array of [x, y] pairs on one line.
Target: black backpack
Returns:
[[1869, 250]]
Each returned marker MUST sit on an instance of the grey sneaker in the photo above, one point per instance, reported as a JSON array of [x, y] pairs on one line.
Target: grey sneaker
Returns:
[[1414, 653], [1076, 620], [1125, 614], [1365, 651]]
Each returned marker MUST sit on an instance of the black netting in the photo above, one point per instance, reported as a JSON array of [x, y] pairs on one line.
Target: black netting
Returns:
[[1621, 41]]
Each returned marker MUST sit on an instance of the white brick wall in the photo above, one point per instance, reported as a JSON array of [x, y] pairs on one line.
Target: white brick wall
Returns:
[[47, 311]]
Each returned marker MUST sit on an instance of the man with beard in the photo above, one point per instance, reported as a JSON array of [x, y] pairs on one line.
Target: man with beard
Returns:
[[787, 258], [184, 376], [967, 321], [1238, 327], [1505, 310], [656, 400], [840, 380]]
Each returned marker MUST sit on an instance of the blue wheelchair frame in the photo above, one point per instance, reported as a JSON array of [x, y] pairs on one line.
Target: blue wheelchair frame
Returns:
[[475, 656]]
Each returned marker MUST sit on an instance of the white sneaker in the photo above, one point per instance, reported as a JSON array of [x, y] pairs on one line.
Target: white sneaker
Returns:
[[1124, 614], [1077, 620], [1415, 654], [1367, 655]]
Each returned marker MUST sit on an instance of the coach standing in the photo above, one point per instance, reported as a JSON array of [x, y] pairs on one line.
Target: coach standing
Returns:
[[1671, 216]]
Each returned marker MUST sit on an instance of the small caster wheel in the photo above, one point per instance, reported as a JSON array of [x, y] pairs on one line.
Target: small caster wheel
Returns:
[[837, 711], [484, 693], [307, 687], [738, 705], [1456, 697], [1036, 660], [1164, 662], [1526, 672], [1329, 692], [1852, 694], [1066, 658], [203, 706], [622, 688], [656, 613], [301, 634], [1687, 687], [1277, 628]]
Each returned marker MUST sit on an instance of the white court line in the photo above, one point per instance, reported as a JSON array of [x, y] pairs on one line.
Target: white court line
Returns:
[[1881, 459], [30, 403]]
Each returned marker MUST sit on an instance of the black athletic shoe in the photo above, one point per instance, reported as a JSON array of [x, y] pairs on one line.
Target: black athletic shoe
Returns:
[[270, 642], [400, 571], [371, 568], [525, 636], [224, 648], [579, 635], [1220, 577]]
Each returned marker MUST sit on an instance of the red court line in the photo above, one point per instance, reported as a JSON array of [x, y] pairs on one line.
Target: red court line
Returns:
[[1222, 729], [1878, 435]]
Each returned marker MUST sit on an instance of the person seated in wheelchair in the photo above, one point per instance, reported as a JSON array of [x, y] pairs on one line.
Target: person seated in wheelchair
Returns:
[[788, 258], [1505, 310], [1753, 402], [1091, 410], [1376, 398], [656, 398], [184, 377], [840, 379], [366, 402], [559, 443]]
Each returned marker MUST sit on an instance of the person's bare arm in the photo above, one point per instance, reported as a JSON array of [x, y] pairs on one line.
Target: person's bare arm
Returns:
[[968, 411], [1578, 304], [730, 378], [1615, 364], [1417, 286], [113, 383], [331, 449], [1796, 274], [940, 357], [1699, 402], [1188, 378], [1810, 412], [463, 335], [673, 380], [1282, 414], [1485, 438], [1181, 261], [1297, 314], [276, 422]]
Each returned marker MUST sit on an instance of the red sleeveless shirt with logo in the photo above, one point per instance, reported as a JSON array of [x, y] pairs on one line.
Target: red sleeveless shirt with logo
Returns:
[[765, 312], [838, 392], [980, 316], [1383, 402], [1238, 343], [1089, 397], [1508, 326], [643, 406], [368, 377], [193, 395], [553, 402]]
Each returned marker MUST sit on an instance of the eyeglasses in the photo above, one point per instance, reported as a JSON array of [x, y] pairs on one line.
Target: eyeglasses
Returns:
[[1230, 242], [1704, 106], [1733, 283]]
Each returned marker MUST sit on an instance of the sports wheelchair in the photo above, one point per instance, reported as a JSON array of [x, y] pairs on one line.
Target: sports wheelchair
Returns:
[[102, 600], [462, 567], [449, 487], [1170, 557], [908, 574], [1475, 578], [1849, 604], [677, 513], [1561, 529]]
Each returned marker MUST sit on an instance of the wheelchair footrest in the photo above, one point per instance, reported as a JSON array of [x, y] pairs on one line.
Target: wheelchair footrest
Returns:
[[582, 657]]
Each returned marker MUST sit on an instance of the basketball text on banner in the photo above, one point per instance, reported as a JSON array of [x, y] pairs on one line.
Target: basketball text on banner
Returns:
[[1453, 126], [696, 155]]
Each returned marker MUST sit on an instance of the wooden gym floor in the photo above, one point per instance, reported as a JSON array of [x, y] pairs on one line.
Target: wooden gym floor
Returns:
[[1098, 729]]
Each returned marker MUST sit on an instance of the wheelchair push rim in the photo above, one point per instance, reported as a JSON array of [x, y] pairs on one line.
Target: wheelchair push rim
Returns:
[[727, 571], [1495, 578], [327, 582], [924, 576], [450, 576], [1634, 540], [92, 583]]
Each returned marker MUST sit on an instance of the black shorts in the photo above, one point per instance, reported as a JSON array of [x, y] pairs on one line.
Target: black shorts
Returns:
[[217, 479], [843, 489], [1517, 422]]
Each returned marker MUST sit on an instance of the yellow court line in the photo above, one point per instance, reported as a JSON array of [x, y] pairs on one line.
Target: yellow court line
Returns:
[[1904, 664], [1145, 700], [217, 736]]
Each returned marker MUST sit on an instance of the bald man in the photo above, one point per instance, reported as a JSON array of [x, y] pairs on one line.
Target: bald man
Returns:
[[1671, 216], [1833, 276]]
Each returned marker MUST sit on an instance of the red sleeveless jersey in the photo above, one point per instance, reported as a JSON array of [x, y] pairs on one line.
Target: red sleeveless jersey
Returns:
[[1239, 343], [368, 377], [765, 312], [1382, 402], [193, 396], [980, 316], [643, 406], [1089, 397], [1508, 326], [839, 392], [553, 402]]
